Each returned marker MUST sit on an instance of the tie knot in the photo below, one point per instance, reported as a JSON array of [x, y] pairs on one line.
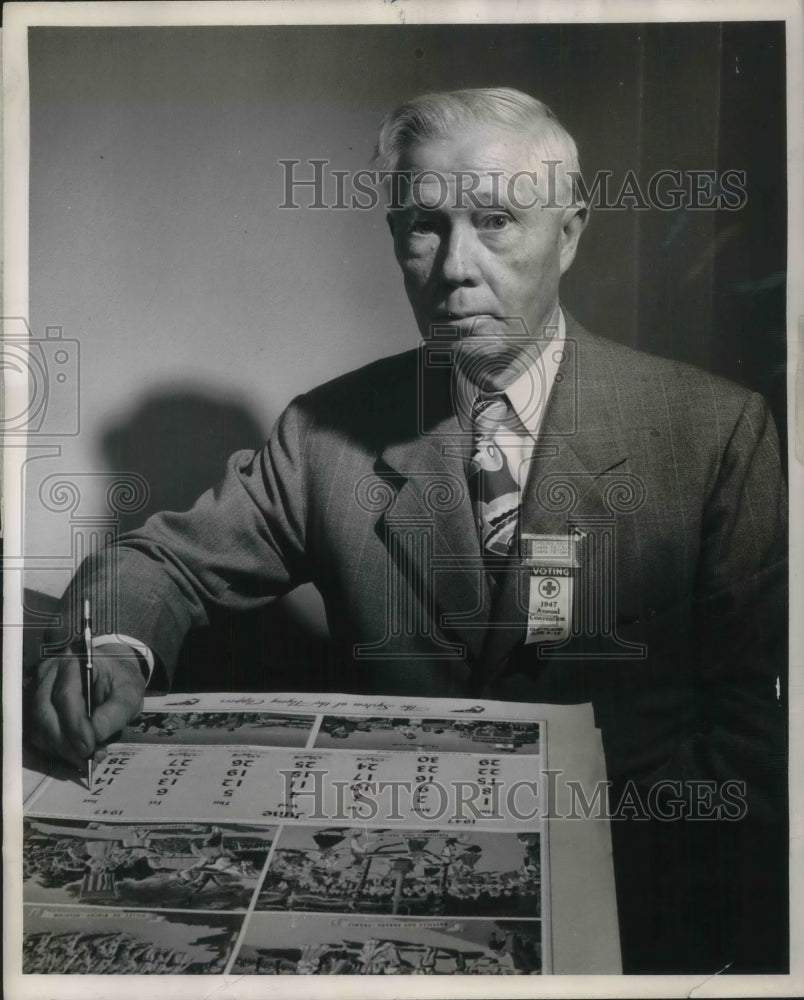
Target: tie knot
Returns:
[[489, 410]]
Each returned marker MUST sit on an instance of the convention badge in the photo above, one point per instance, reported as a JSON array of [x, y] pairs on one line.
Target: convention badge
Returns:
[[554, 562]]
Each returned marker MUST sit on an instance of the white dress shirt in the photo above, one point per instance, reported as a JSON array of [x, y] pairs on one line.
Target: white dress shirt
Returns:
[[527, 395]]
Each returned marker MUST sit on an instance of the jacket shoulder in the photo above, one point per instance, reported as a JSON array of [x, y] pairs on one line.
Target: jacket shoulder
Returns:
[[380, 375], [369, 404], [638, 375]]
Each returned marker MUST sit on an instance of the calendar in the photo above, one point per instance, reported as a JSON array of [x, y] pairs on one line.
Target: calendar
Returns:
[[306, 834]]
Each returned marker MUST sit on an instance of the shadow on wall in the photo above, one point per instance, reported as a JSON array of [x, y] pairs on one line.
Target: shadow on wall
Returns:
[[179, 442]]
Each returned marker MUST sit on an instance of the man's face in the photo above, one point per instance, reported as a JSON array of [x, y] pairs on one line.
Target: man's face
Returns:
[[474, 254]]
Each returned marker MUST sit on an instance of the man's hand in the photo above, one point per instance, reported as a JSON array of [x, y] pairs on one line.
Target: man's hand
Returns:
[[57, 719]]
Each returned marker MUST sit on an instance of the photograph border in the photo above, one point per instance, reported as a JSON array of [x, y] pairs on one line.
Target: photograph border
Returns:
[[17, 18]]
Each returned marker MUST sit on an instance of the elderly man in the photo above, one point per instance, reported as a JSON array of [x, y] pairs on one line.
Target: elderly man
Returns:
[[517, 509]]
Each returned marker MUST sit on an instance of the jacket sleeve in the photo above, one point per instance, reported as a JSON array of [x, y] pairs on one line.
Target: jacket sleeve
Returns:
[[241, 545], [741, 614]]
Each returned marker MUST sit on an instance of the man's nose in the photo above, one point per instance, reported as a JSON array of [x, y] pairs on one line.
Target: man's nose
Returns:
[[458, 265]]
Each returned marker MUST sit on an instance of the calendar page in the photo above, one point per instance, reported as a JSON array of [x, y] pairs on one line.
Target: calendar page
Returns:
[[292, 834]]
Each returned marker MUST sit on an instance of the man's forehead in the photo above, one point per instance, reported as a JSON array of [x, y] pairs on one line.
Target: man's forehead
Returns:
[[478, 166], [469, 188], [485, 185], [481, 146]]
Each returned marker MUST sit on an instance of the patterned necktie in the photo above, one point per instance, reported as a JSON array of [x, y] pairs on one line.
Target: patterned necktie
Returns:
[[493, 489]]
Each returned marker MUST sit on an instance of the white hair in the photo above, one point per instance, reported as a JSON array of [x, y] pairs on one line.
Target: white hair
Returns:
[[440, 115]]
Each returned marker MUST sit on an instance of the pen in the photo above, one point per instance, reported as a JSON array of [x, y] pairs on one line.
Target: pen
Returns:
[[87, 627]]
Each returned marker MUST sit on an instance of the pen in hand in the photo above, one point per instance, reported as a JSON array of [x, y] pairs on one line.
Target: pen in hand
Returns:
[[87, 629]]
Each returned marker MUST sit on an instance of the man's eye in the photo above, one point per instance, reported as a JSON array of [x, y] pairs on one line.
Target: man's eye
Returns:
[[497, 221], [422, 226]]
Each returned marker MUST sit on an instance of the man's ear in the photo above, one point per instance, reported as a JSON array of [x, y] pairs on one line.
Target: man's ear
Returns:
[[572, 225]]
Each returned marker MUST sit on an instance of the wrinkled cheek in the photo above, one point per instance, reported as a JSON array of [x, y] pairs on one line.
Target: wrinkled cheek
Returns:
[[532, 280], [416, 274], [419, 263]]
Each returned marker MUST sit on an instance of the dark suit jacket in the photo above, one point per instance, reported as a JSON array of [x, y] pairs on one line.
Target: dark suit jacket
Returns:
[[673, 475]]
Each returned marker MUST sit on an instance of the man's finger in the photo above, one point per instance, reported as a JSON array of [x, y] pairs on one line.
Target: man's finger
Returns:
[[43, 729], [68, 700], [116, 712], [123, 702], [43, 722]]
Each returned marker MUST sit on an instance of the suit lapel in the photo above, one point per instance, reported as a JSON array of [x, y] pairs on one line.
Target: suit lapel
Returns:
[[427, 474], [580, 441]]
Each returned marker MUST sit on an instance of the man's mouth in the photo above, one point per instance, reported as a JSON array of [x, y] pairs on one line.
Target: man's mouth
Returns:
[[453, 315]]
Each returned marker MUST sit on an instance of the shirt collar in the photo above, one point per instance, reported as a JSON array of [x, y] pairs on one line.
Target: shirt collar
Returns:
[[528, 394]]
